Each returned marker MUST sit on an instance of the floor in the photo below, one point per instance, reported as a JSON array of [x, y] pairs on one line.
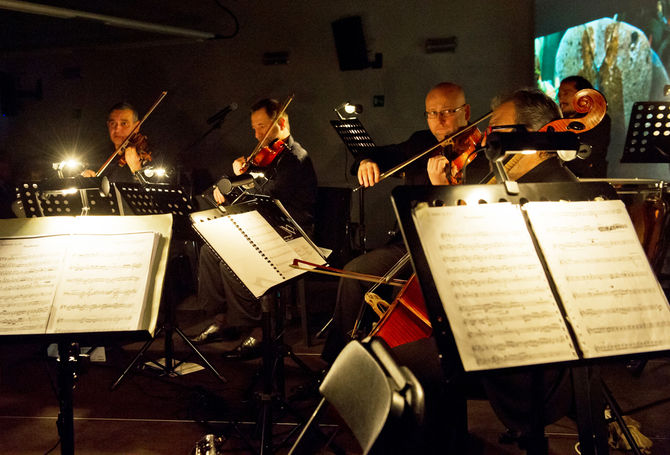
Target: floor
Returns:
[[153, 414]]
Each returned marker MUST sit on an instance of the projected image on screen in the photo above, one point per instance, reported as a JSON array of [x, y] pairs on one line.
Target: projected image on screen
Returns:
[[626, 57]]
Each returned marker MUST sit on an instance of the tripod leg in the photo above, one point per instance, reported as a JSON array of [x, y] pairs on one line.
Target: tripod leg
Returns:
[[618, 415], [135, 360], [199, 354], [267, 302]]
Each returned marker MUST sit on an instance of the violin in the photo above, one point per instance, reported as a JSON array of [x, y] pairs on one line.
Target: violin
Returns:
[[263, 156], [466, 148], [465, 132], [140, 141], [266, 155], [141, 145]]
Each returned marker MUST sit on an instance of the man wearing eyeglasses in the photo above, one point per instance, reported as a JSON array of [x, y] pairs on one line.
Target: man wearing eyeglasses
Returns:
[[446, 112]]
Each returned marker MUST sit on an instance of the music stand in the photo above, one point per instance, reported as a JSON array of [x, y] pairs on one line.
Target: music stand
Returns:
[[252, 240], [92, 329], [67, 197], [406, 199], [151, 199], [648, 137], [154, 199], [358, 142]]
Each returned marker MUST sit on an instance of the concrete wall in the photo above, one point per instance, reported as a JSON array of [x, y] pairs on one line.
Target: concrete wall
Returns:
[[494, 54]]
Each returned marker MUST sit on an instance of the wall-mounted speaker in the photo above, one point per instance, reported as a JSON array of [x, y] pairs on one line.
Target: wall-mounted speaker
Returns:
[[352, 53]]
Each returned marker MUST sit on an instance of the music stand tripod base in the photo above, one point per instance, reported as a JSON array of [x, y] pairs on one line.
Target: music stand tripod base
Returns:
[[180, 369]]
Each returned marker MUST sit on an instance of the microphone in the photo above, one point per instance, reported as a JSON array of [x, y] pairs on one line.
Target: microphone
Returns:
[[226, 184], [219, 116]]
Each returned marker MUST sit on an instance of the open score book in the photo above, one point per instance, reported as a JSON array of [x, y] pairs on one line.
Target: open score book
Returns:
[[257, 252], [83, 274], [496, 292]]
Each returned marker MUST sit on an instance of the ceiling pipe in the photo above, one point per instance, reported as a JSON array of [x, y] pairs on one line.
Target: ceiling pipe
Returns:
[[65, 13]]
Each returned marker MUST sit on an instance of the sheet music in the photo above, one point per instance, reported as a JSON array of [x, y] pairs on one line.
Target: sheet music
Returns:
[[29, 272], [492, 286], [251, 247], [104, 283], [609, 291], [33, 257]]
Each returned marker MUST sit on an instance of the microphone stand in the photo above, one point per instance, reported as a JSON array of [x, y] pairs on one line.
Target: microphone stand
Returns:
[[215, 126]]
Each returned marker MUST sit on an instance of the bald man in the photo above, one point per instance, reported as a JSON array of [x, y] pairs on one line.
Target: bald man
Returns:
[[446, 112]]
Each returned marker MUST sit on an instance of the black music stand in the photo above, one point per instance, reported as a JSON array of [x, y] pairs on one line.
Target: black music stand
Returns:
[[149, 199], [358, 142], [68, 343], [273, 347], [155, 199], [648, 137], [67, 197], [592, 434]]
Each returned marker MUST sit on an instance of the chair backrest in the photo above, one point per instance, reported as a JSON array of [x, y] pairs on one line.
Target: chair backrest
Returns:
[[366, 387]]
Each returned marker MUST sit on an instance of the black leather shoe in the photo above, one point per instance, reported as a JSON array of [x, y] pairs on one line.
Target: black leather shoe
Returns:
[[215, 332], [250, 348]]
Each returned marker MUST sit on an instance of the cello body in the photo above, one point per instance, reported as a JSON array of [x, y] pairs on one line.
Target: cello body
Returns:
[[406, 319]]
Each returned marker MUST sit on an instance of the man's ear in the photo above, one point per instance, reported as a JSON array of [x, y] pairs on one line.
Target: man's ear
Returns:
[[282, 123]]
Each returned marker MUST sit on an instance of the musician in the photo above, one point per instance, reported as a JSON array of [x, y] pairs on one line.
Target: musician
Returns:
[[290, 179], [446, 112], [598, 138], [121, 120], [508, 393]]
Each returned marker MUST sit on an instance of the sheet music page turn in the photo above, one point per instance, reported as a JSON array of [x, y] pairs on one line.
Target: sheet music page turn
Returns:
[[492, 286], [611, 296]]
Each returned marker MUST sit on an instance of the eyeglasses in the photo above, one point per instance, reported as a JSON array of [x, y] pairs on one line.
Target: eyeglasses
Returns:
[[443, 112]]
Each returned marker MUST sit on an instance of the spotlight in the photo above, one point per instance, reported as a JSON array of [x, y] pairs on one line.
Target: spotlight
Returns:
[[69, 167], [347, 111]]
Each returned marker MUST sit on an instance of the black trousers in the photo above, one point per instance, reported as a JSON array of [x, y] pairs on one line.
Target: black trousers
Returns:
[[220, 291]]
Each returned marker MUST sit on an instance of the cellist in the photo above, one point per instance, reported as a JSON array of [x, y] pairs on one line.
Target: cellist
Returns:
[[291, 179], [446, 112]]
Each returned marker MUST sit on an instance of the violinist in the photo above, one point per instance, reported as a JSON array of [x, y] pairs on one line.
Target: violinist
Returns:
[[121, 120], [446, 111], [291, 179]]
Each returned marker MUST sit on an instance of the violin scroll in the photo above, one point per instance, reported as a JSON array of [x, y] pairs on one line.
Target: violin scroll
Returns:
[[587, 101]]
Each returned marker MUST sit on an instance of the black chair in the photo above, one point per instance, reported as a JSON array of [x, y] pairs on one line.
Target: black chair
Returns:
[[373, 396]]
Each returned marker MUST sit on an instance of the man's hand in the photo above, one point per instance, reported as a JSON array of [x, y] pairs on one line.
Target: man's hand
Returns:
[[133, 159], [437, 170], [238, 165], [218, 197], [368, 173], [88, 173]]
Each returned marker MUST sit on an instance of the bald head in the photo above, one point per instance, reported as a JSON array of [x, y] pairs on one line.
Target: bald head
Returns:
[[446, 109]]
